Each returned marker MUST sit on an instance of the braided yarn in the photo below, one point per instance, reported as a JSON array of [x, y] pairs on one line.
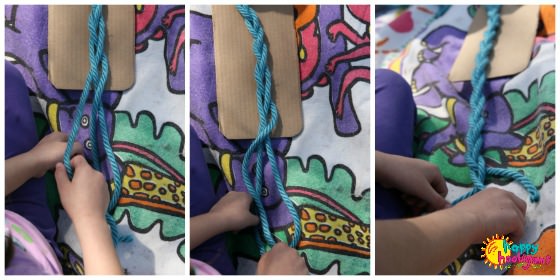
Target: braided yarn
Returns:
[[474, 139], [261, 147], [96, 80]]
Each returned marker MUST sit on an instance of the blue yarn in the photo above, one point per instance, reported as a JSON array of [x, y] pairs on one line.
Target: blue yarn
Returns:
[[97, 76], [268, 116], [474, 139]]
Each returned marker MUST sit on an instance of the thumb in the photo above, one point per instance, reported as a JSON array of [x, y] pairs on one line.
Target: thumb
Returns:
[[254, 220], [80, 164], [60, 136], [61, 176], [77, 148]]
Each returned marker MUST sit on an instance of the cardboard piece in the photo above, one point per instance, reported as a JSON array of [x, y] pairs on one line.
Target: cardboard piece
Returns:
[[513, 46], [235, 66], [68, 45]]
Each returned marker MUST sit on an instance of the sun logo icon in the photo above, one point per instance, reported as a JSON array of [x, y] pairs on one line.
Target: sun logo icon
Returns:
[[495, 244]]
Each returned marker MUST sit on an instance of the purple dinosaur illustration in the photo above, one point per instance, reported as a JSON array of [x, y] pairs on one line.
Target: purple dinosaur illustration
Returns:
[[26, 48], [429, 81], [64, 120], [204, 119]]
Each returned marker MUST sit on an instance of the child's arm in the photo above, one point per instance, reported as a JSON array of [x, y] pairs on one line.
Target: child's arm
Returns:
[[231, 213], [36, 162], [85, 199], [19, 169], [420, 181], [426, 244]]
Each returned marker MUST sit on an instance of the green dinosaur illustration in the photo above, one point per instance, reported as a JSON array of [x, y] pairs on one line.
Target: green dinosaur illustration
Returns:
[[335, 220]]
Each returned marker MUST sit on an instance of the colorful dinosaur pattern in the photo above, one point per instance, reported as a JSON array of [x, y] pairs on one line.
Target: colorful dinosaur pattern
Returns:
[[333, 51], [149, 152], [519, 132]]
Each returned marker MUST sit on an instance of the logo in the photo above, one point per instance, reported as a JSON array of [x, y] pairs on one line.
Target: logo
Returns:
[[503, 253], [494, 250]]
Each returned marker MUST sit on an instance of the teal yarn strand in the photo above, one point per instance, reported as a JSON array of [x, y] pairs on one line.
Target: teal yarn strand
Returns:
[[94, 58], [474, 139], [100, 114], [261, 146], [96, 81], [520, 178], [97, 40]]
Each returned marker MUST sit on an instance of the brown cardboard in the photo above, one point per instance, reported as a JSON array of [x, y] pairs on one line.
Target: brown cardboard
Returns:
[[69, 45], [513, 46], [235, 65]]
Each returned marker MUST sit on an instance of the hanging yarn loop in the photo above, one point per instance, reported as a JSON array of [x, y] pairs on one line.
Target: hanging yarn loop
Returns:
[[261, 147], [475, 141], [96, 81]]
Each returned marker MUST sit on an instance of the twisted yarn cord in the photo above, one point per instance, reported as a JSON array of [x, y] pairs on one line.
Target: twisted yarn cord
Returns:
[[475, 142], [97, 76], [262, 146]]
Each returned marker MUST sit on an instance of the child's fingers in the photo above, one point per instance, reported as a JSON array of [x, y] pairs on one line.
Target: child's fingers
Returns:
[[59, 136], [519, 227], [439, 185], [78, 161], [61, 176], [417, 205], [434, 199], [280, 246], [254, 220], [77, 148], [520, 213], [421, 204], [411, 200], [521, 205], [426, 193], [246, 198]]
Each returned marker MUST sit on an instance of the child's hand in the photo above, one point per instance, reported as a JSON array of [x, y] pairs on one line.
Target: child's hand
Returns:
[[420, 181], [50, 150], [282, 260], [233, 209], [86, 197], [495, 211]]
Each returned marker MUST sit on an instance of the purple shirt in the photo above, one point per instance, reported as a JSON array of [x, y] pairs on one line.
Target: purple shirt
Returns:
[[33, 254]]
